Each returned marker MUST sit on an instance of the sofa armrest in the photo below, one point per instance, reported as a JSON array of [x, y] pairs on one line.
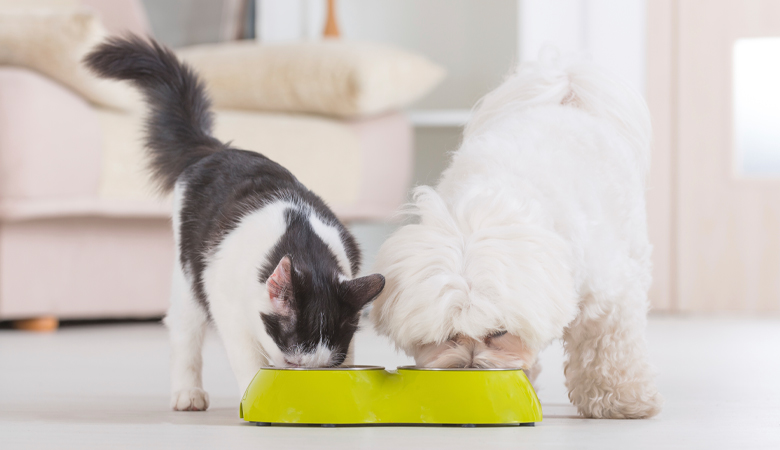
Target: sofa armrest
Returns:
[[50, 141]]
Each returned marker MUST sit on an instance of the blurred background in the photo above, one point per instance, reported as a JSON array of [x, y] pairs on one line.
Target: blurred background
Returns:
[[362, 100], [83, 236]]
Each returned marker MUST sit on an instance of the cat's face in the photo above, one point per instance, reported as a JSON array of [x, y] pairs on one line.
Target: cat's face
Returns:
[[314, 316]]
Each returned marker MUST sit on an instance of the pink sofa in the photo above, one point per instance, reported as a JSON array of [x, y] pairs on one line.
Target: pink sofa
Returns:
[[69, 252]]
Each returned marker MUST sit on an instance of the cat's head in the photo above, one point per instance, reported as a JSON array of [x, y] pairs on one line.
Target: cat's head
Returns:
[[314, 315]]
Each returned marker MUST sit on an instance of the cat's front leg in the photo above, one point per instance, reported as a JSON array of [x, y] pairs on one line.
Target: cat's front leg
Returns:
[[187, 323], [245, 353], [235, 327]]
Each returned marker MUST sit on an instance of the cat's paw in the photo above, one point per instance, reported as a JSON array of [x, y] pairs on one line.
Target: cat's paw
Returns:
[[193, 399]]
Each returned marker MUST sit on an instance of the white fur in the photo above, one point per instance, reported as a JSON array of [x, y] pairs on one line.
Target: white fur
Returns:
[[536, 228], [236, 299], [320, 357], [186, 323], [491, 352], [332, 238]]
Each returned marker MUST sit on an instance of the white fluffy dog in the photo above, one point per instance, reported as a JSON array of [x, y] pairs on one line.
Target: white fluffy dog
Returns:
[[536, 231]]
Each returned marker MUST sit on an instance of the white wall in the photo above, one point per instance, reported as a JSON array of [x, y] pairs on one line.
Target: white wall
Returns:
[[478, 41], [611, 33], [475, 40], [179, 23]]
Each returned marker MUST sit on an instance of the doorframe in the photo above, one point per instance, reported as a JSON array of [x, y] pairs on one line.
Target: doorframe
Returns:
[[663, 180]]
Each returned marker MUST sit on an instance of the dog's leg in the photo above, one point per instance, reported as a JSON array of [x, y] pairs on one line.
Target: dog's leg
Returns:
[[187, 323], [607, 372]]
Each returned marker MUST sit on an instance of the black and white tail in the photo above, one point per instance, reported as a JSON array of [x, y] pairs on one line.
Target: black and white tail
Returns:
[[178, 129]]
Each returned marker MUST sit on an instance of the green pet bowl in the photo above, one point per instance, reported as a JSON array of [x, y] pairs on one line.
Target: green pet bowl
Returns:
[[370, 395]]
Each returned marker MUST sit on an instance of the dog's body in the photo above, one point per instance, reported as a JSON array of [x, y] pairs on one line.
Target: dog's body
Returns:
[[536, 231], [257, 252]]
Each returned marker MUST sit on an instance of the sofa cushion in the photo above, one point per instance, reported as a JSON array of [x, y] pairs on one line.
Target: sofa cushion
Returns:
[[338, 78], [53, 42], [49, 140], [361, 168], [324, 154]]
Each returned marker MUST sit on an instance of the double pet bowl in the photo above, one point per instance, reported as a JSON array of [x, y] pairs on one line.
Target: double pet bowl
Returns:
[[365, 395]]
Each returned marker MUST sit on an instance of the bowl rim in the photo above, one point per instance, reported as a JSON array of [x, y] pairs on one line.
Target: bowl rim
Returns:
[[330, 369], [459, 369]]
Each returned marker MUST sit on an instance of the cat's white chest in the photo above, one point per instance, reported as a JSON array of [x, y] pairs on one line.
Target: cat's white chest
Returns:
[[231, 277]]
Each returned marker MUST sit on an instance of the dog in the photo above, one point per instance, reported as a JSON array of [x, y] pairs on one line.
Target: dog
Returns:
[[536, 231]]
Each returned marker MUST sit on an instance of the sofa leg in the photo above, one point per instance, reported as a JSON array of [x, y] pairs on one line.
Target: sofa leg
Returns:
[[43, 324]]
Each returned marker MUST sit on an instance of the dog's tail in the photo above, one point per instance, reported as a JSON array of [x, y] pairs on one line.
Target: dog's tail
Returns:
[[553, 81], [178, 129]]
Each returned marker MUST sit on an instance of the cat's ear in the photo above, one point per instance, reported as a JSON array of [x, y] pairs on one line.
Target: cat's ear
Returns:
[[360, 291], [280, 288]]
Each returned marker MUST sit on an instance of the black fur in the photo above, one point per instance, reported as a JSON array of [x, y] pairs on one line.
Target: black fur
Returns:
[[314, 281], [178, 129], [223, 185]]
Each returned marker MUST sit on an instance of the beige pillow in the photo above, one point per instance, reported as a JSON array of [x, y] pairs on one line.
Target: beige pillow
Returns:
[[345, 79], [53, 42]]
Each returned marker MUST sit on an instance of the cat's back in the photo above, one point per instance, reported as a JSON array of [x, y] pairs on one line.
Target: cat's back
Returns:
[[214, 195]]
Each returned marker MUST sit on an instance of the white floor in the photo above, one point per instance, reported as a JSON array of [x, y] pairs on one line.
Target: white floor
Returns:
[[107, 387]]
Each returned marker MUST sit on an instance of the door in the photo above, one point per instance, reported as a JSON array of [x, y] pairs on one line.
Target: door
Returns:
[[724, 199]]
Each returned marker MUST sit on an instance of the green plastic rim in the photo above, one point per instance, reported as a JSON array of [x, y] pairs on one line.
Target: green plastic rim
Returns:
[[459, 369], [364, 395], [322, 369]]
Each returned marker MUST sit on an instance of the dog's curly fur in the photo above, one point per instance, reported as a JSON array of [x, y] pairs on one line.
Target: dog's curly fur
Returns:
[[536, 229]]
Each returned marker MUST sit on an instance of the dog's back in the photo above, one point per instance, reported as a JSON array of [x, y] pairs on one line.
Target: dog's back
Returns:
[[579, 85], [504, 244]]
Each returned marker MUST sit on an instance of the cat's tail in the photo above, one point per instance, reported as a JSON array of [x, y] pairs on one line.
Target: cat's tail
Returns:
[[178, 128], [554, 80]]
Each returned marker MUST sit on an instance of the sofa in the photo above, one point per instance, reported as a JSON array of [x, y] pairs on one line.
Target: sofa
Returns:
[[82, 233]]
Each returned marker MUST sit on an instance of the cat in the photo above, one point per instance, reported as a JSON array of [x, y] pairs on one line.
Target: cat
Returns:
[[535, 232], [258, 254]]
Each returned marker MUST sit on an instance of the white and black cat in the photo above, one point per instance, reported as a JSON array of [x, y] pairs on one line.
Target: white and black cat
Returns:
[[258, 253]]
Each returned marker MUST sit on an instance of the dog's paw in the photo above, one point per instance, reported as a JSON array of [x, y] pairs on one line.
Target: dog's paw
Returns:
[[623, 404], [194, 399]]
